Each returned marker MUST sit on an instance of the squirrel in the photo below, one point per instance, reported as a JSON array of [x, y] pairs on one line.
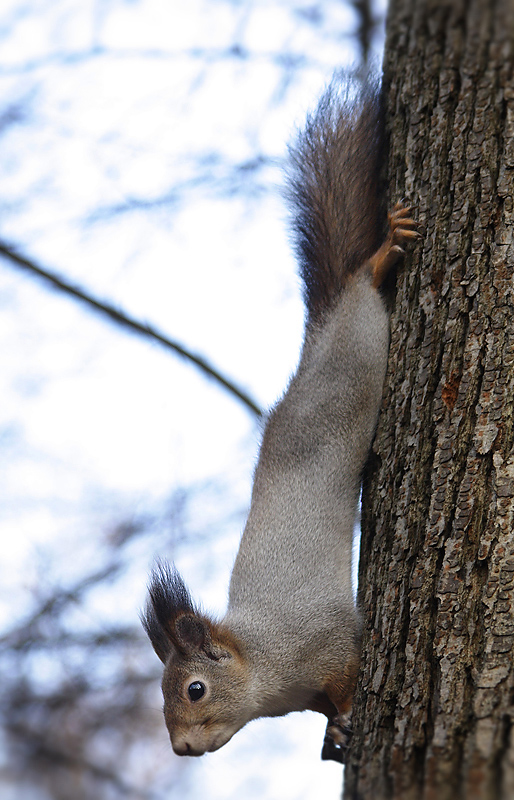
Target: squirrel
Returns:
[[289, 640]]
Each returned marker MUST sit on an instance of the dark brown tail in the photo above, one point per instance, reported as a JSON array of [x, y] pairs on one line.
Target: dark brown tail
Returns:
[[338, 210]]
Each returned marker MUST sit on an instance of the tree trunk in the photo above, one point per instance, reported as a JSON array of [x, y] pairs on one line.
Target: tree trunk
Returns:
[[434, 709]]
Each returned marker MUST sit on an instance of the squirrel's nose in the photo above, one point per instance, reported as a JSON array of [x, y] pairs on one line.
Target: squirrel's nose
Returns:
[[185, 749]]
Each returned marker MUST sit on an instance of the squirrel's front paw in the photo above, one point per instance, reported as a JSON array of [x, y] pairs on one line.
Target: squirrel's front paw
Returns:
[[402, 229], [337, 738]]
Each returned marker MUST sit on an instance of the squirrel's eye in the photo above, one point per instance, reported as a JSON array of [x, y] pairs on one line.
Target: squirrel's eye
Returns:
[[196, 690]]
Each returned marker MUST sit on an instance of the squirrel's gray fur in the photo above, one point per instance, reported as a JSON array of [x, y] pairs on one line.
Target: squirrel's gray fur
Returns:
[[290, 637]]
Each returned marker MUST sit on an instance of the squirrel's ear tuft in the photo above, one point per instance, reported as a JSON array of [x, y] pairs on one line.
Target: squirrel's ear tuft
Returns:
[[168, 600], [174, 624], [156, 633]]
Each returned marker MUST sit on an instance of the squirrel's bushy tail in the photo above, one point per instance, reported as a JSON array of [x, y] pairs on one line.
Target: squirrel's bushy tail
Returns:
[[338, 214]]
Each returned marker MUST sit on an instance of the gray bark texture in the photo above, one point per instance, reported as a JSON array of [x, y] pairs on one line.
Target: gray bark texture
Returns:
[[434, 709]]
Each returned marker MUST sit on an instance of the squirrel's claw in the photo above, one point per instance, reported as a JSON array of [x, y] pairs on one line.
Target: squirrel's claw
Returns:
[[408, 234], [400, 210], [402, 228]]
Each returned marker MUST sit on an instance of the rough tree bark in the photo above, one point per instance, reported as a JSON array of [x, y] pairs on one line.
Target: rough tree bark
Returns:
[[434, 709]]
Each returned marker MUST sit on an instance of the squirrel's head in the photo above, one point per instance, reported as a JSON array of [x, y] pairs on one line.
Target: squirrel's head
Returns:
[[206, 679]]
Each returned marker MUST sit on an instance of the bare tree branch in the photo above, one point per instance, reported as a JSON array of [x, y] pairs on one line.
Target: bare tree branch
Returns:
[[44, 750], [237, 52], [133, 324], [365, 26]]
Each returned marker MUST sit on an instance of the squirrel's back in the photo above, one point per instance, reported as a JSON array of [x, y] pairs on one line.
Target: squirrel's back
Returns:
[[334, 188]]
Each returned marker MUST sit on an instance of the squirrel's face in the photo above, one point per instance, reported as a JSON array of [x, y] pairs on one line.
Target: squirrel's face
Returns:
[[205, 700], [206, 676]]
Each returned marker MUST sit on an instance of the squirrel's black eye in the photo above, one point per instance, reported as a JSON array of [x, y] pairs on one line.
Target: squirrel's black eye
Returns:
[[196, 690]]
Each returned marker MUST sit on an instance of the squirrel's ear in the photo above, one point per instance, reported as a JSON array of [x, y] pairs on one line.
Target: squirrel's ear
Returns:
[[193, 633], [189, 633], [168, 600], [173, 623]]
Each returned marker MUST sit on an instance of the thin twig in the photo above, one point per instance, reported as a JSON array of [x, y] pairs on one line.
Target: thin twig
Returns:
[[130, 322]]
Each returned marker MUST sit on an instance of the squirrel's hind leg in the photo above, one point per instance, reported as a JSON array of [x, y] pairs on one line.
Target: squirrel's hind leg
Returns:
[[337, 738], [339, 728], [402, 227]]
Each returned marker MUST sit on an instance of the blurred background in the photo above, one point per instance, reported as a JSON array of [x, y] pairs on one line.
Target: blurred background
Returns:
[[142, 145]]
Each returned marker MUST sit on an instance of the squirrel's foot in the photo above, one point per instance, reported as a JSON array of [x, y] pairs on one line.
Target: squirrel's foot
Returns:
[[402, 228], [337, 738]]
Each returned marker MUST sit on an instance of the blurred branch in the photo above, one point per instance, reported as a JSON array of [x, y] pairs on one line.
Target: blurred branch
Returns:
[[208, 55], [227, 179], [25, 633], [365, 27], [43, 750], [54, 727], [114, 314]]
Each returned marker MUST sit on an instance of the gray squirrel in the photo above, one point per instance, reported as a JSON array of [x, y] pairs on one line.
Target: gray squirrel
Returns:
[[289, 640]]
